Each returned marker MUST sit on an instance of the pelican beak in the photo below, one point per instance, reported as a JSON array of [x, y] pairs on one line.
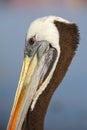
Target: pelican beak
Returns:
[[27, 72], [35, 75]]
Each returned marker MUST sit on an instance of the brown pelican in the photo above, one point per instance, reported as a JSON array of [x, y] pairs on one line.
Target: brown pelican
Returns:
[[51, 43]]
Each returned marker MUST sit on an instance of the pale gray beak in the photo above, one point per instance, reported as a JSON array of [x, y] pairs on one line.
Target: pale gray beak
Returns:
[[38, 62]]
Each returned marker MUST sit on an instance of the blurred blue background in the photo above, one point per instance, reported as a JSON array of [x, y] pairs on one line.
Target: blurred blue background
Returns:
[[68, 107]]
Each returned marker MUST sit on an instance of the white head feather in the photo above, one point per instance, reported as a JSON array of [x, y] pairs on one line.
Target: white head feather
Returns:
[[45, 29]]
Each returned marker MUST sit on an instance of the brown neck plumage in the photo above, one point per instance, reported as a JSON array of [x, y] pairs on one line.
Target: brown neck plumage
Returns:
[[68, 39]]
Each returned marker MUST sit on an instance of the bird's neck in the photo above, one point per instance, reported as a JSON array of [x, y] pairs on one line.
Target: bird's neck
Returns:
[[68, 42], [35, 119]]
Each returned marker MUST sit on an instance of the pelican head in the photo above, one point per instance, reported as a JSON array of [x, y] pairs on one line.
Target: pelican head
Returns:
[[50, 46]]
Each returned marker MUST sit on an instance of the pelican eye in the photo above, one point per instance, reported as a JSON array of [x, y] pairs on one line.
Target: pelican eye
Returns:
[[31, 41]]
